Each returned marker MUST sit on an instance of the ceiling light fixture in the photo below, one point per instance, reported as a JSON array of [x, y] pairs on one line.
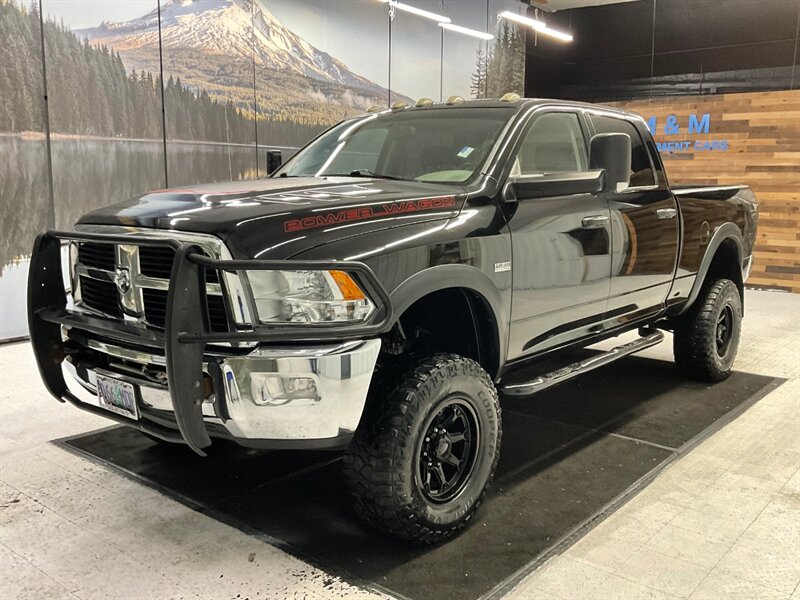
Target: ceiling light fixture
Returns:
[[416, 11], [539, 26], [466, 31], [555, 33]]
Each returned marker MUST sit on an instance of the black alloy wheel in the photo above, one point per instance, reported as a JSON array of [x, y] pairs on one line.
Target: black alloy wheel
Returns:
[[426, 449], [447, 454], [724, 332], [706, 338]]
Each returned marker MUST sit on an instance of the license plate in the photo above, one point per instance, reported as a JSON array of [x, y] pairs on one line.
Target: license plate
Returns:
[[117, 396]]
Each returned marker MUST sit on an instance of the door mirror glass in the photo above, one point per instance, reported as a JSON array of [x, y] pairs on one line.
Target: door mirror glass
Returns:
[[274, 161], [525, 187], [611, 152]]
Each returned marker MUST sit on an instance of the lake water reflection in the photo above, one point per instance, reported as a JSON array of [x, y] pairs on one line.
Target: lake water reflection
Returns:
[[88, 174]]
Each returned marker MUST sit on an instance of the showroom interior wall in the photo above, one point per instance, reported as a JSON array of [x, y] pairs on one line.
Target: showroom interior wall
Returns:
[[719, 83], [84, 126]]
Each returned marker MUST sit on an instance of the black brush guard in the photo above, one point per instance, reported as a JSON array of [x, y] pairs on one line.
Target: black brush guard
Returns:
[[187, 331]]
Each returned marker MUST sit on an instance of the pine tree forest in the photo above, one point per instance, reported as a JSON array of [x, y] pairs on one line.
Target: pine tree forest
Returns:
[[92, 94], [502, 68]]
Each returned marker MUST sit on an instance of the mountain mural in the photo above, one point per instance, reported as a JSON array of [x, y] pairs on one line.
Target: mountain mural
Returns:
[[216, 45]]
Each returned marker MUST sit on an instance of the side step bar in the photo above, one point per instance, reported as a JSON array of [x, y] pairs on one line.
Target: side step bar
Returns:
[[649, 338]]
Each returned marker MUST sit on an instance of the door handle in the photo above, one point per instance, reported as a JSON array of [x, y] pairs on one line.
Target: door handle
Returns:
[[666, 213], [594, 221]]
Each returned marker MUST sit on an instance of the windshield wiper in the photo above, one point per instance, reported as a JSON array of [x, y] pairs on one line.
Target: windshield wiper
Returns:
[[364, 173]]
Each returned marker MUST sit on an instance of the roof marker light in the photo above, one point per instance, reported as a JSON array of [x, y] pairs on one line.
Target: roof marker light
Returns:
[[424, 102], [455, 100]]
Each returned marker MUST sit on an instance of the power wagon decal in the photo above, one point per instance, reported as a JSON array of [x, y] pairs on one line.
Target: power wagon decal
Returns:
[[367, 212]]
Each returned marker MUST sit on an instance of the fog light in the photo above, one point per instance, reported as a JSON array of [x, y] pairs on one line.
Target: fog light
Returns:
[[270, 389]]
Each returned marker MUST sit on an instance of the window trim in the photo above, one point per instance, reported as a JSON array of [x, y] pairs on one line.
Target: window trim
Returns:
[[527, 121]]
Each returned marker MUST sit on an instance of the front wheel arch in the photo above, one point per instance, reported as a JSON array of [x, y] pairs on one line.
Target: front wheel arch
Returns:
[[486, 304]]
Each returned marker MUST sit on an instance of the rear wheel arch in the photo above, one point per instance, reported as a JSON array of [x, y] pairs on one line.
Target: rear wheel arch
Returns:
[[723, 260]]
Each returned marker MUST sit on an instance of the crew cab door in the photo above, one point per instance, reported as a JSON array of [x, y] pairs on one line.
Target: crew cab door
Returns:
[[561, 254], [644, 228]]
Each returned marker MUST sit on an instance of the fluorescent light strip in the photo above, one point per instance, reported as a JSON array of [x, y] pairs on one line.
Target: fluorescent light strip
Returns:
[[511, 16], [466, 31], [417, 11], [539, 26], [554, 33]]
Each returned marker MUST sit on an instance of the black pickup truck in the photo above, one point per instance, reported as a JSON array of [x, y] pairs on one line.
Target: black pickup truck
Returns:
[[373, 293]]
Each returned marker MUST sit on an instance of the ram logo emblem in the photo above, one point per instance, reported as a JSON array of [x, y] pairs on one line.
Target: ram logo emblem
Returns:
[[122, 279]]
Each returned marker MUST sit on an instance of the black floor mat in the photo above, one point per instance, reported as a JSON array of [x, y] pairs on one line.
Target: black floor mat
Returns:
[[566, 455]]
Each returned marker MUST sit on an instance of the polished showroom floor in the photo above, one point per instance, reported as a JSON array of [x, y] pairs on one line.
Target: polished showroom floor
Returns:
[[721, 521]]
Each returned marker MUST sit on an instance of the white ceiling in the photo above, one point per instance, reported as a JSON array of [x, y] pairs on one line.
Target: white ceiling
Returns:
[[554, 5]]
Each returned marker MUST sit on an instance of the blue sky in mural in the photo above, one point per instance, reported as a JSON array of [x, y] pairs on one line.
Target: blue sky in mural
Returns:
[[78, 14]]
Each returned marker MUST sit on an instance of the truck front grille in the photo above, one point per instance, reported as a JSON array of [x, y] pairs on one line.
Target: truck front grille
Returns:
[[100, 256], [101, 296], [157, 262], [155, 307], [99, 292]]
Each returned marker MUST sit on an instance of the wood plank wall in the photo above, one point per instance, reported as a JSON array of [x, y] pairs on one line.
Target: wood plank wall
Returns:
[[763, 133]]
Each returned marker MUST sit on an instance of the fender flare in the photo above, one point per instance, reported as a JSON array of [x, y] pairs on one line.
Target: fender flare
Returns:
[[442, 277], [726, 231]]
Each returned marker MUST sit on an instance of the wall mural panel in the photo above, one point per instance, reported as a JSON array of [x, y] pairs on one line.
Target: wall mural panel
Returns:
[[309, 75], [239, 77], [503, 69], [104, 110], [25, 207], [207, 49], [462, 55], [417, 52]]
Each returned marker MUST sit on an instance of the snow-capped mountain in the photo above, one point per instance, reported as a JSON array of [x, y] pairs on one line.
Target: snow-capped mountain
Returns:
[[233, 29]]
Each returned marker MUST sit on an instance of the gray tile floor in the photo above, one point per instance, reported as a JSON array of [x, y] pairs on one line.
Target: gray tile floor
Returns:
[[722, 522]]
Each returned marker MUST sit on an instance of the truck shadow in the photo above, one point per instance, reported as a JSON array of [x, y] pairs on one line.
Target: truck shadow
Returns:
[[566, 454]]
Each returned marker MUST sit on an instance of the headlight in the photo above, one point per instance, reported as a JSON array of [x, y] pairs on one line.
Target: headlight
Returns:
[[308, 297]]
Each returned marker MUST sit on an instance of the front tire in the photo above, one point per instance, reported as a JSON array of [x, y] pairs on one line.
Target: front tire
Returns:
[[420, 467], [706, 341]]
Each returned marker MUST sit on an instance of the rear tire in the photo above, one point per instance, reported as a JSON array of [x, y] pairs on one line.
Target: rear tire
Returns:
[[707, 339], [421, 462]]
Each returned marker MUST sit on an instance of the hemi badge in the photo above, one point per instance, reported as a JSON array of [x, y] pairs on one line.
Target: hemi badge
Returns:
[[502, 267]]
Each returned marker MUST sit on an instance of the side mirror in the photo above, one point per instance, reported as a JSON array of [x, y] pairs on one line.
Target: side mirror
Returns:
[[611, 152], [549, 185], [274, 161]]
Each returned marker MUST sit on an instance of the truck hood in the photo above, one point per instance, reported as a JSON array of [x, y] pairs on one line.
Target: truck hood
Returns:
[[275, 218]]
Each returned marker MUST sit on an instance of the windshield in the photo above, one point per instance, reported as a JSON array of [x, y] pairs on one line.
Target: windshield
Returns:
[[442, 145]]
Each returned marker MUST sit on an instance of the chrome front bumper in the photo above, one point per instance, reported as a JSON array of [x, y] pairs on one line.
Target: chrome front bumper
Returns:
[[306, 397]]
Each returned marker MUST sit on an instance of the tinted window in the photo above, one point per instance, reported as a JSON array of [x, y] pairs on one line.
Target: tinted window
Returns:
[[553, 144], [439, 145], [641, 168]]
